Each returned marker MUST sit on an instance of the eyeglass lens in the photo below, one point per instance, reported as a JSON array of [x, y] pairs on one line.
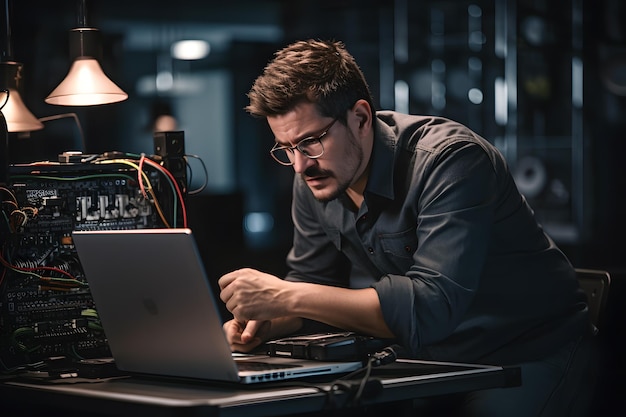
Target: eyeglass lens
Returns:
[[311, 148]]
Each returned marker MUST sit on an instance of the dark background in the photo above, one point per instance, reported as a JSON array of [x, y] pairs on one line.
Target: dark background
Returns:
[[562, 111]]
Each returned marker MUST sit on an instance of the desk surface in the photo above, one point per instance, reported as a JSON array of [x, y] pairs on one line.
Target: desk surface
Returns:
[[403, 380]]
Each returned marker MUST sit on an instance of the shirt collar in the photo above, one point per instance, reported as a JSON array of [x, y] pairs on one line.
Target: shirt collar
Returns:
[[380, 181]]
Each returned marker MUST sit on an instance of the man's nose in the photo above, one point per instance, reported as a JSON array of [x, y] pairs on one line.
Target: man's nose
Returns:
[[300, 162]]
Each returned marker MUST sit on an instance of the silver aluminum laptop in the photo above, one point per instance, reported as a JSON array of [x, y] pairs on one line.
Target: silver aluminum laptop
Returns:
[[160, 315]]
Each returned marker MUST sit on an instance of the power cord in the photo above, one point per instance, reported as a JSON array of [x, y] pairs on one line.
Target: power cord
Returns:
[[365, 385], [355, 386], [385, 356]]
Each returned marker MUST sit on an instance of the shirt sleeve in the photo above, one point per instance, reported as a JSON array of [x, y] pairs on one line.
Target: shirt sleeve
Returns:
[[455, 214]]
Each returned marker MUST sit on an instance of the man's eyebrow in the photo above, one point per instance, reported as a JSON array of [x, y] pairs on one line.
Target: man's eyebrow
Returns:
[[303, 137]]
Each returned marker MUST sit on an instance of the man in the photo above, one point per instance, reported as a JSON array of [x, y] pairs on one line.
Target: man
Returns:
[[408, 227]]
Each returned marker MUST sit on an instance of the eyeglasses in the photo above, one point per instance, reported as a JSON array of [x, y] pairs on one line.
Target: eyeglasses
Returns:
[[310, 147]]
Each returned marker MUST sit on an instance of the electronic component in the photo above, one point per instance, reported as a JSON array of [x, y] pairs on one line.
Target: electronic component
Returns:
[[327, 346], [46, 308]]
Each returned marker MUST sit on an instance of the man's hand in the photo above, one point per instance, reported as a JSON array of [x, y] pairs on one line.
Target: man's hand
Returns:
[[244, 337], [253, 295]]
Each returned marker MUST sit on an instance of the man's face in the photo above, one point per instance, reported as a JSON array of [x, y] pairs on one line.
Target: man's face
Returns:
[[332, 173]]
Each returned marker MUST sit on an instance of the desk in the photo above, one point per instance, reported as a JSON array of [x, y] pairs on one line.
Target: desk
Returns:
[[138, 396]]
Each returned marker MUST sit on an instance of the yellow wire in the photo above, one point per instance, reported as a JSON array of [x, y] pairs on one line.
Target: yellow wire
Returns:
[[149, 189], [131, 164]]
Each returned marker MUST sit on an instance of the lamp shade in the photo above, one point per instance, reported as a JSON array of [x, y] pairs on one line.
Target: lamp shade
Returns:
[[85, 84], [18, 117]]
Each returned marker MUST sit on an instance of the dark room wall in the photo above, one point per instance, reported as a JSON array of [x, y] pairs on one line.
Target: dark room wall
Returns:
[[392, 41]]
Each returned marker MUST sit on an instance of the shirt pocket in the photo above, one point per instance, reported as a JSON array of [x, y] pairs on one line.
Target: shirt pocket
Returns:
[[400, 245]]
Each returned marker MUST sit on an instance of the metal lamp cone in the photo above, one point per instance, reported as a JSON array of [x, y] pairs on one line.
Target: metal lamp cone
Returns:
[[86, 85], [18, 117]]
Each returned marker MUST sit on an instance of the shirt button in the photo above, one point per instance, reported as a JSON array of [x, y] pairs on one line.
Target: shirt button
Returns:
[[370, 250], [407, 249]]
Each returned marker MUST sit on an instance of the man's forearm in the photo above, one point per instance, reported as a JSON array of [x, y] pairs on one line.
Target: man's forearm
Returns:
[[282, 326], [350, 309]]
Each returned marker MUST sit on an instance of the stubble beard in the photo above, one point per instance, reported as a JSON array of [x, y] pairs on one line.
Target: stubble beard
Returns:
[[342, 186]]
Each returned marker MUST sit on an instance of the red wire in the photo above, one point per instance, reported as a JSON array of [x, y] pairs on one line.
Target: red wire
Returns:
[[180, 194], [44, 268], [139, 179]]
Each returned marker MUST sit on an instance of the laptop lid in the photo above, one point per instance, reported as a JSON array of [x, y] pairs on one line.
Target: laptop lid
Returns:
[[159, 313]]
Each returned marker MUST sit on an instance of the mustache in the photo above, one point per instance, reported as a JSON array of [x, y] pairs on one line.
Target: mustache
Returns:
[[314, 171]]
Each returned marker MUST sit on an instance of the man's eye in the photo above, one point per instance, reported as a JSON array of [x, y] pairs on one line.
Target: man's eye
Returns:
[[306, 142]]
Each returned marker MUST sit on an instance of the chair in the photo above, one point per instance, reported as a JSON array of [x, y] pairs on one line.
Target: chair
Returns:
[[595, 283]]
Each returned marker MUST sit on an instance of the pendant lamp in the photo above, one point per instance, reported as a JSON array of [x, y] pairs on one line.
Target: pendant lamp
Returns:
[[17, 116], [85, 84]]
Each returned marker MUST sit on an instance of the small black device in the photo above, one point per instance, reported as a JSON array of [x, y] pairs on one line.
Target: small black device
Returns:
[[327, 346], [169, 144]]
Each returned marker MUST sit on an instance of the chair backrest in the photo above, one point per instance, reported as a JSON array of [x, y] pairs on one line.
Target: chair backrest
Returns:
[[596, 285]]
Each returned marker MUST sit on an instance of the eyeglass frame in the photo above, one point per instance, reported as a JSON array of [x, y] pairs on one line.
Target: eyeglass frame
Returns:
[[309, 139]]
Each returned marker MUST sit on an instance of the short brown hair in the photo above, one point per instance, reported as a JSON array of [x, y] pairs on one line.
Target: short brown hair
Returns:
[[314, 71]]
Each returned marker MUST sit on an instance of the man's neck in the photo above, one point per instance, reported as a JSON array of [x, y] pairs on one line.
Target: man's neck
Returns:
[[356, 190]]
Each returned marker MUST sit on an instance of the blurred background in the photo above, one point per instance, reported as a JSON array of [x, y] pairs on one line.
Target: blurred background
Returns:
[[544, 81]]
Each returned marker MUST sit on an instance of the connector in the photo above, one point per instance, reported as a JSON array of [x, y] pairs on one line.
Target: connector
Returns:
[[386, 356]]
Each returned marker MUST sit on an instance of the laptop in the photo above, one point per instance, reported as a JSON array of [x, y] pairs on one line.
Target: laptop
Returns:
[[159, 313]]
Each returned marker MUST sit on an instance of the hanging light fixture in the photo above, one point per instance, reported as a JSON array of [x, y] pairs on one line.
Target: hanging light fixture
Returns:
[[85, 84], [17, 116]]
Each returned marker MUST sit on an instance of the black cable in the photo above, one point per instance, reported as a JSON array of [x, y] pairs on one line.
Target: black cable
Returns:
[[6, 100], [371, 387], [354, 388], [206, 174], [385, 356]]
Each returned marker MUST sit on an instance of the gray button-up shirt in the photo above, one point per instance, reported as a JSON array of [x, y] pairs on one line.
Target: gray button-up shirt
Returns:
[[461, 267]]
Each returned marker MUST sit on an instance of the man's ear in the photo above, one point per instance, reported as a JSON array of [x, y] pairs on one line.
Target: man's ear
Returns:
[[363, 113]]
